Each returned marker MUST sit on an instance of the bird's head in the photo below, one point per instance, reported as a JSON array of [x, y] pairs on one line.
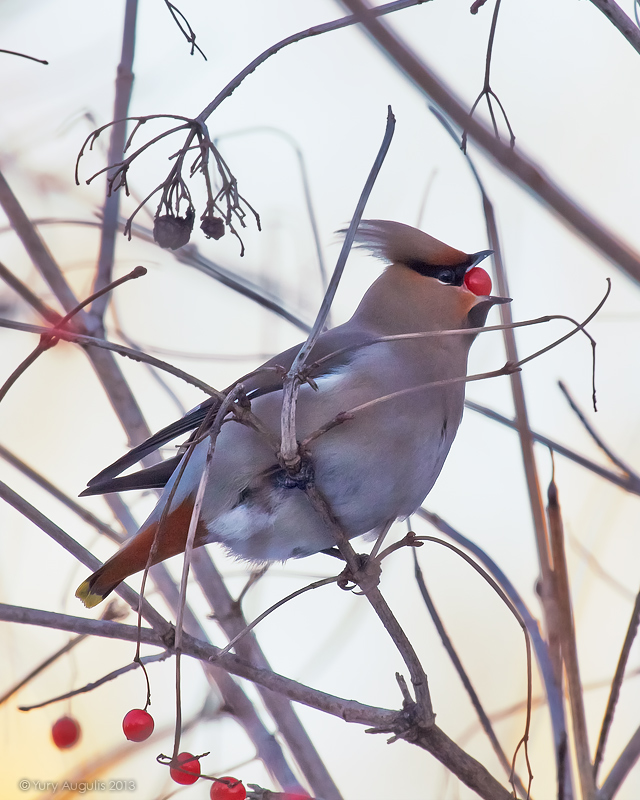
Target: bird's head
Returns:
[[428, 285]]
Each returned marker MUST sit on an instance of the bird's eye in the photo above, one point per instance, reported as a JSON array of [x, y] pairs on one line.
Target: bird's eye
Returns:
[[446, 276]]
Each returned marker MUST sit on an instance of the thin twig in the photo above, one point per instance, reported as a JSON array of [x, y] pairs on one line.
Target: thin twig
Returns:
[[487, 91], [566, 630], [616, 685], [103, 344], [182, 22], [631, 473], [213, 433], [513, 162], [554, 698], [289, 452], [484, 719], [47, 341], [23, 55], [82, 555], [315, 585], [525, 630], [89, 687], [366, 579], [629, 484]]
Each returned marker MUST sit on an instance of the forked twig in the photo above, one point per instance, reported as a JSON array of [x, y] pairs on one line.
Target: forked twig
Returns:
[[50, 339], [487, 91], [184, 27]]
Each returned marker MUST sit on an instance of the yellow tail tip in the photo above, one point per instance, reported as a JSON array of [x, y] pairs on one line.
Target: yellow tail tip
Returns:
[[89, 598]]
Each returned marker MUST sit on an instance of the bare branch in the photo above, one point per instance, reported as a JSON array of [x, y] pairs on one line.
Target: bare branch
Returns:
[[620, 20], [289, 448], [89, 687], [82, 554], [623, 766], [24, 55], [110, 210], [514, 163], [555, 700], [434, 740], [632, 475], [466, 681], [616, 684], [566, 630], [627, 483]]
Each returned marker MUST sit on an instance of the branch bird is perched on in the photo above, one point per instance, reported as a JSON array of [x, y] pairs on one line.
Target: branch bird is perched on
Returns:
[[374, 468]]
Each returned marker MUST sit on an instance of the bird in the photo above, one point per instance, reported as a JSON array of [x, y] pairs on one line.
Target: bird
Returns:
[[374, 468]]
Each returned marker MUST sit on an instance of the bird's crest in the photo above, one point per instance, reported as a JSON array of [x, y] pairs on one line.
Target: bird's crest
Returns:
[[396, 242]]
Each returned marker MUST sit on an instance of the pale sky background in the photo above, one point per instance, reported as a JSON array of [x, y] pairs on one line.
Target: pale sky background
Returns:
[[569, 83]]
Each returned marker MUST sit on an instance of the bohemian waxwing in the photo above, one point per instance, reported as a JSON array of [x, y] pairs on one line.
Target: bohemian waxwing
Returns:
[[374, 468]]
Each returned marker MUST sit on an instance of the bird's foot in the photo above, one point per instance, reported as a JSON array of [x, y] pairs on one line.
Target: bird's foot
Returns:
[[366, 576], [298, 479]]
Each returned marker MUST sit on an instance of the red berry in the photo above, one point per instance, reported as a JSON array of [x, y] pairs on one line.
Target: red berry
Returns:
[[137, 725], [478, 281], [65, 733], [232, 790], [189, 770]]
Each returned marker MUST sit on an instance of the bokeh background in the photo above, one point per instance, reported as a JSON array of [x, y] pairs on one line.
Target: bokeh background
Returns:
[[568, 81]]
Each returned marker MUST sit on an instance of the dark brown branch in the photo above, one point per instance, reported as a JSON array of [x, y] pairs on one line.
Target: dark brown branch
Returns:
[[434, 740]]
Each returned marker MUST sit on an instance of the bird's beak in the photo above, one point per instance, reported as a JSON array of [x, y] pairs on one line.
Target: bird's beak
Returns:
[[478, 314], [480, 256]]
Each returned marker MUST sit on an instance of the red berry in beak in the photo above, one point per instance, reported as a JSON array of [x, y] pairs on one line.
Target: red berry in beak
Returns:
[[478, 281]]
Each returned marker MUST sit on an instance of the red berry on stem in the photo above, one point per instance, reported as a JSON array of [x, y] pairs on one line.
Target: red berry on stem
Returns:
[[65, 733], [478, 281], [233, 789], [137, 725], [189, 770]]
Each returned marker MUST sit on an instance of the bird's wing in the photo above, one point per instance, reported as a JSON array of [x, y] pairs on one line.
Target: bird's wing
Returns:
[[344, 341]]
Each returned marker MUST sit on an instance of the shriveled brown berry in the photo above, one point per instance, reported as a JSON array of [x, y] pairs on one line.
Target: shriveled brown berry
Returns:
[[173, 232], [212, 227]]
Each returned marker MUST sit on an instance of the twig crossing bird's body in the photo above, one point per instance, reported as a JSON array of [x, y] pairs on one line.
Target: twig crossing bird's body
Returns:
[[375, 467]]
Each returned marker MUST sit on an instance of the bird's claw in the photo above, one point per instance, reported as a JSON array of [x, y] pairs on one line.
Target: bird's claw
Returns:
[[367, 576]]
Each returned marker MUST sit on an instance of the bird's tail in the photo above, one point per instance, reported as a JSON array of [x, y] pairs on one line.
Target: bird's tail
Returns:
[[134, 554]]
